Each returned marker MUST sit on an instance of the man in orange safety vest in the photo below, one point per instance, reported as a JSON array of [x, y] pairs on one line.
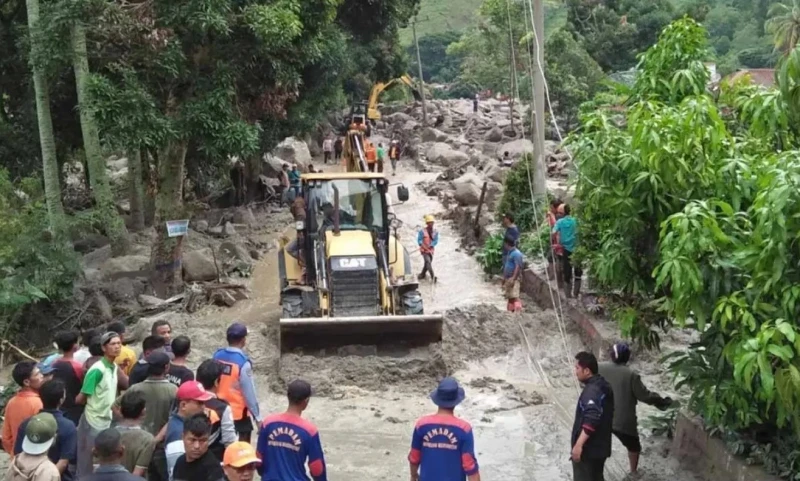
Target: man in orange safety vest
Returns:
[[427, 239]]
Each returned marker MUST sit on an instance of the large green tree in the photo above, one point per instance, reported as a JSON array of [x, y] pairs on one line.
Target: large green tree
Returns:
[[45, 123], [784, 25]]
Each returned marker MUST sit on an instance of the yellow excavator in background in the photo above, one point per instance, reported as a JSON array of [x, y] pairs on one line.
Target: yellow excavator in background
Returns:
[[373, 113]]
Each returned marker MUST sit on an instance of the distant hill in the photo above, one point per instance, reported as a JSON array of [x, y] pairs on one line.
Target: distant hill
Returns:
[[438, 16]]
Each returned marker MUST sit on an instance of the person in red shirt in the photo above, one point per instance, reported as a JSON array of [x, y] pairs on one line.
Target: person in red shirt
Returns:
[[442, 446], [24, 404]]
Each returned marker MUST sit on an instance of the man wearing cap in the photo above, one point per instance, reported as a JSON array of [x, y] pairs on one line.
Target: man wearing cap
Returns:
[[150, 344], [24, 403], [109, 450], [32, 464], [427, 239], [240, 462], [63, 451], [286, 441], [628, 390], [98, 393], [191, 400], [442, 446], [158, 391], [236, 386]]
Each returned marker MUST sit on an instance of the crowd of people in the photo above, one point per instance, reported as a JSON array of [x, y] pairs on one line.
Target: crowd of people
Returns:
[[96, 411]]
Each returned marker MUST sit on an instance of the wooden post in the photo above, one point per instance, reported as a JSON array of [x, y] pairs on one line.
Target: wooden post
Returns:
[[477, 226]]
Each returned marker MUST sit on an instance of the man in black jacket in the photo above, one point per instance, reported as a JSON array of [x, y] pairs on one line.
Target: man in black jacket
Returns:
[[594, 415]]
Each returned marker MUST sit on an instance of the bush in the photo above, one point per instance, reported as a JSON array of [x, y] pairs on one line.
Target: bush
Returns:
[[517, 197], [491, 254], [35, 265]]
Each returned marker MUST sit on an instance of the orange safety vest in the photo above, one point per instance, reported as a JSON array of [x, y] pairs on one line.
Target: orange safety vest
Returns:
[[229, 388], [371, 154], [427, 241]]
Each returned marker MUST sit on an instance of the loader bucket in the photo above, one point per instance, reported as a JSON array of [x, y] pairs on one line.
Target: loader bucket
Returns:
[[328, 332]]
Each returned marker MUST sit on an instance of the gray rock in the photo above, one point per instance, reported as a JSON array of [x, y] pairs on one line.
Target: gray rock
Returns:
[[429, 134], [468, 189], [228, 230], [244, 215], [117, 265], [271, 166], [517, 148], [551, 147], [103, 307], [494, 135], [234, 256], [496, 173], [149, 301], [90, 243], [443, 154], [398, 118], [410, 126], [293, 151], [198, 266], [201, 226]]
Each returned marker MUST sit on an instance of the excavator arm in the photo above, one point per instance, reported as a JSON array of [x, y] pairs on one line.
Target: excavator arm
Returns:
[[372, 107]]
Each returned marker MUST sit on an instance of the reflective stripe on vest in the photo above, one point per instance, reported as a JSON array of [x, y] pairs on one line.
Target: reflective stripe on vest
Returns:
[[371, 154], [229, 383], [427, 242]]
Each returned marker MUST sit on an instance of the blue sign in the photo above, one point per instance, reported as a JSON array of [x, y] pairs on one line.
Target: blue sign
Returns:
[[177, 228]]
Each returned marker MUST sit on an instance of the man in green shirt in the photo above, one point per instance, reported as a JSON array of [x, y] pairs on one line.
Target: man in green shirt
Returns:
[[381, 157], [138, 443], [98, 393], [158, 391]]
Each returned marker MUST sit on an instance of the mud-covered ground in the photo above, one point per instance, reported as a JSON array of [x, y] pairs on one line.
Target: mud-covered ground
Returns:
[[517, 372]]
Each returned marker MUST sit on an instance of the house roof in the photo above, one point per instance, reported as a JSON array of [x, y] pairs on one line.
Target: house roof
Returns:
[[764, 77]]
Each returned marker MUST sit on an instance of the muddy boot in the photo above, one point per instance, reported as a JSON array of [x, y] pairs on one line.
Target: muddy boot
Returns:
[[577, 287], [420, 276]]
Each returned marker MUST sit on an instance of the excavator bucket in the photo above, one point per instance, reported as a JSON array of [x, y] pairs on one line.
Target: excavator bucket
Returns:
[[330, 332]]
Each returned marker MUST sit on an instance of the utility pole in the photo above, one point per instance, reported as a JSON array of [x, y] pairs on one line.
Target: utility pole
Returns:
[[539, 183], [421, 79]]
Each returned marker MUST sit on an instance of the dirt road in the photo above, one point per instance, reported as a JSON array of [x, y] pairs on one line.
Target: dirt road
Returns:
[[517, 372]]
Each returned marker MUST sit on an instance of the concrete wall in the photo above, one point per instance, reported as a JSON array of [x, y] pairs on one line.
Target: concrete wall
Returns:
[[692, 445], [709, 456]]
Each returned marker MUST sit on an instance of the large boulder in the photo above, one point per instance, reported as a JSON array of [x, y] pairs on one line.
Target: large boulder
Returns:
[[244, 215], [468, 189], [496, 173], [410, 126], [429, 134], [443, 154], [494, 135], [198, 266], [517, 148], [271, 166], [293, 151], [124, 264], [397, 118]]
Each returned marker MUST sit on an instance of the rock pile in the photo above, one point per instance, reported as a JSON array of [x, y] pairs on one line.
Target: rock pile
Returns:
[[456, 133], [469, 146]]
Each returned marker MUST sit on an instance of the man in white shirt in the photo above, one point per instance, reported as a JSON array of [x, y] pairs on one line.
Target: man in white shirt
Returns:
[[327, 148]]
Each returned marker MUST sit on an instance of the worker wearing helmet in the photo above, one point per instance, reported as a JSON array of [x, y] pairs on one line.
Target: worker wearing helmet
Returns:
[[427, 239], [628, 391]]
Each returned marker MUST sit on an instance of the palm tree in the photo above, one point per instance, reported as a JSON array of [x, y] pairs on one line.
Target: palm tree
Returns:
[[101, 189], [784, 25], [52, 189]]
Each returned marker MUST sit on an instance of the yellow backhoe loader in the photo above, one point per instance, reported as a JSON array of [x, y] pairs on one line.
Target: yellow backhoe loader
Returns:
[[347, 280]]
